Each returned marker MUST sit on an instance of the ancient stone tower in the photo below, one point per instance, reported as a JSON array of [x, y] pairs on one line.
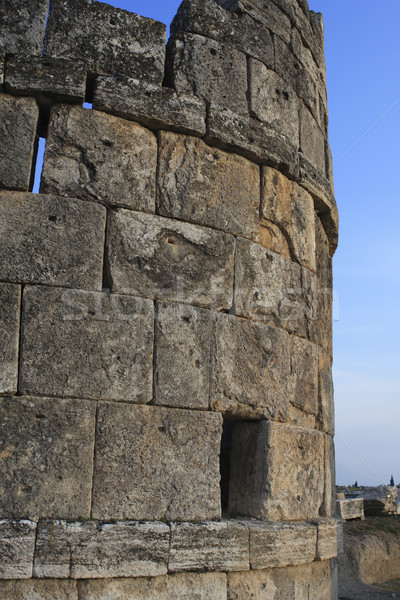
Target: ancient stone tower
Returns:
[[166, 398]]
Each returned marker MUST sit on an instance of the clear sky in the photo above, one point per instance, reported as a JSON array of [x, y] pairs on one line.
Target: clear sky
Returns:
[[362, 56]]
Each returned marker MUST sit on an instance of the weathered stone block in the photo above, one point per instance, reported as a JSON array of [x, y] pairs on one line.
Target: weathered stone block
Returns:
[[58, 78], [329, 506], [304, 368], [99, 346], [215, 72], [109, 40], [312, 140], [273, 238], [18, 117], [17, 544], [291, 208], [209, 546], [10, 300], [273, 102], [326, 413], [154, 463], [94, 550], [38, 590], [182, 356], [154, 106], [50, 240], [250, 369], [22, 25], [281, 544], [46, 457], [350, 509], [196, 586], [94, 156], [207, 186], [152, 256], [329, 533]]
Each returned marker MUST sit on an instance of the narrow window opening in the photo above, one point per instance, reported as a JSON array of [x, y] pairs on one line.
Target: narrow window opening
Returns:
[[90, 89], [37, 172], [225, 464]]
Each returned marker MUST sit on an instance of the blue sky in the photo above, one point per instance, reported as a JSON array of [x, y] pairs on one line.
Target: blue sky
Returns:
[[362, 54]]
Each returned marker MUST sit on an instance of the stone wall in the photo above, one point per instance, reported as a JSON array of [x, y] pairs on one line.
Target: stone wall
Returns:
[[166, 401]]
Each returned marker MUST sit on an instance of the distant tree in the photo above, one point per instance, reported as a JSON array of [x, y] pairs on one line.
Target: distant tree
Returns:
[[391, 481], [355, 483]]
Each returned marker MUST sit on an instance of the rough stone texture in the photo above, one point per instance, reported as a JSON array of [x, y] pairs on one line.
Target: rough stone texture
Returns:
[[193, 586], [326, 414], [18, 118], [350, 509], [46, 457], [328, 508], [312, 140], [109, 40], [38, 590], [17, 544], [154, 106], [204, 185], [273, 238], [250, 369], [329, 534], [291, 208], [99, 346], [50, 240], [304, 366], [10, 299], [209, 546], [208, 69], [272, 289], [94, 550], [281, 544], [22, 24], [154, 463], [94, 156], [61, 79], [152, 256], [273, 102], [182, 356]]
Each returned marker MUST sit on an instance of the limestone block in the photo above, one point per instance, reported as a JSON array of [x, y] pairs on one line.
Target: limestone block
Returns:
[[273, 102], [312, 140], [240, 31], [10, 299], [350, 509], [304, 369], [18, 117], [329, 506], [250, 369], [207, 186], [157, 257], [94, 156], [22, 25], [154, 106], [281, 544], [182, 356], [195, 586], [88, 549], [208, 69], [61, 79], [291, 208], [38, 590], [46, 457], [2, 59], [153, 463], [17, 544], [329, 533], [99, 346], [273, 238], [302, 419], [326, 414], [109, 40], [222, 546], [270, 288], [51, 240]]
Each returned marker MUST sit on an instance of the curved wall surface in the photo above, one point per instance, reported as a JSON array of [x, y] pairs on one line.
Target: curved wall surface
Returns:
[[166, 400]]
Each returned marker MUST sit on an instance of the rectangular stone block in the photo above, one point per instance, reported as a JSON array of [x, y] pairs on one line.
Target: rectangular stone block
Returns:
[[85, 550], [100, 346], [38, 590], [46, 457], [156, 463], [329, 506], [51, 240], [326, 413], [250, 369], [94, 156], [61, 79], [182, 356], [17, 544], [312, 140], [109, 40], [204, 185], [281, 544], [222, 546], [328, 538], [153, 106], [304, 371], [10, 301], [161, 258], [19, 117], [215, 72], [350, 509], [22, 25]]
